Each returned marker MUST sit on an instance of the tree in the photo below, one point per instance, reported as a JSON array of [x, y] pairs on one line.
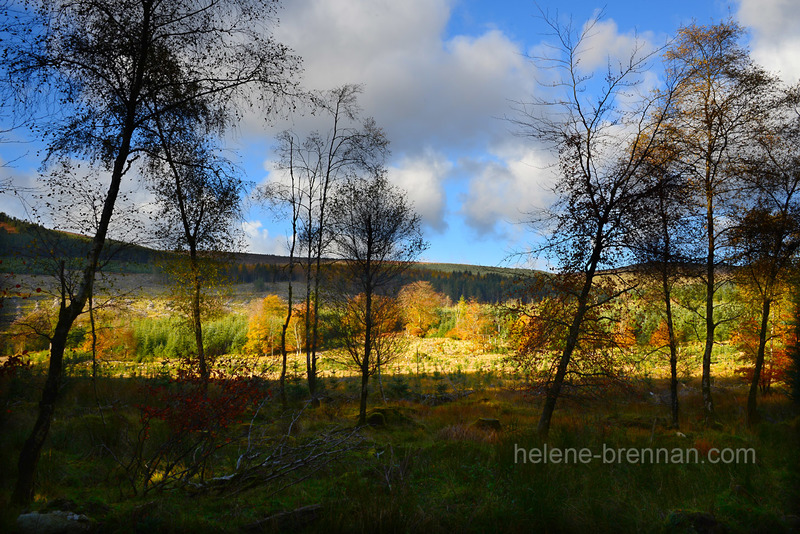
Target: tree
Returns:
[[766, 234], [314, 164], [387, 341], [265, 325], [281, 196], [599, 187], [377, 235], [714, 104], [109, 69], [420, 303], [662, 243], [472, 324], [199, 195]]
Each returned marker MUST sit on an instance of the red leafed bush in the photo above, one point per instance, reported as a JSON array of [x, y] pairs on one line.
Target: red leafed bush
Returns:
[[14, 363], [197, 419]]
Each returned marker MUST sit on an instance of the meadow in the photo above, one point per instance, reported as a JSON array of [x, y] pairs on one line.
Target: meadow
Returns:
[[449, 446]]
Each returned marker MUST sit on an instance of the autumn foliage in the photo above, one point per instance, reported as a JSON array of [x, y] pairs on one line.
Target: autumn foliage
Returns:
[[419, 303], [776, 358], [187, 421], [264, 328]]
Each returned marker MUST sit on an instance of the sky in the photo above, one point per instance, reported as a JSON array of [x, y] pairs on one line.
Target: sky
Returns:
[[441, 78]]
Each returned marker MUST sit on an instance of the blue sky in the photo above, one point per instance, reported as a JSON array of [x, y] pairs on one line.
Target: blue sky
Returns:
[[439, 76]]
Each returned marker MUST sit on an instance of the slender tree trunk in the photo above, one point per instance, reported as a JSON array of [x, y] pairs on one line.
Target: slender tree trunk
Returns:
[[311, 371], [197, 326], [362, 407], [315, 323], [752, 397], [29, 455], [289, 306], [666, 289], [673, 347], [284, 356], [31, 450], [708, 403], [380, 376], [543, 428], [197, 323], [94, 360]]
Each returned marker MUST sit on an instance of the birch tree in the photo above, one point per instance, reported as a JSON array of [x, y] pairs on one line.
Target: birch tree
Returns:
[[106, 69]]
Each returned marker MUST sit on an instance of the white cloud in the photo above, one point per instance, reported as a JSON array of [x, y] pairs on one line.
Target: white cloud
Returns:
[[775, 26], [423, 89], [505, 192], [605, 43], [439, 100], [259, 240], [422, 178]]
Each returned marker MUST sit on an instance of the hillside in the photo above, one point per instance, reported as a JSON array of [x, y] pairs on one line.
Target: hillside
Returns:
[[30, 249]]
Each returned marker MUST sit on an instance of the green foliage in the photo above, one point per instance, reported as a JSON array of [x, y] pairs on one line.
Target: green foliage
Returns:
[[171, 338], [447, 321], [226, 335]]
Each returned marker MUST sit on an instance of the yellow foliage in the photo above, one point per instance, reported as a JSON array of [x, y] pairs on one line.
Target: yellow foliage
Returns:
[[265, 325], [419, 302], [472, 324]]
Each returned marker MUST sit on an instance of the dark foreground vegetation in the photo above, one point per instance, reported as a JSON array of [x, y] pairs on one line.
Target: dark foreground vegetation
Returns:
[[155, 454]]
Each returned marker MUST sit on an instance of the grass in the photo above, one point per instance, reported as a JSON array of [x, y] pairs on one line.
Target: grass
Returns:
[[430, 466]]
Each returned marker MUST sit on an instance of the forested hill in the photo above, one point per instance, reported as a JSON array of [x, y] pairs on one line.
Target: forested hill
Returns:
[[26, 247]]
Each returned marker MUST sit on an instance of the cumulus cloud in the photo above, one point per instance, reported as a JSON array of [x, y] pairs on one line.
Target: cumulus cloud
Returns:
[[775, 26], [422, 178], [424, 88], [605, 43], [427, 89], [419, 85], [260, 241], [505, 192]]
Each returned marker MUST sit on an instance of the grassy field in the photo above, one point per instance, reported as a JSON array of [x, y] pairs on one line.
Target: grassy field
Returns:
[[448, 451]]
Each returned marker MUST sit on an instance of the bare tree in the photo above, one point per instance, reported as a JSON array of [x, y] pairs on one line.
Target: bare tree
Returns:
[[108, 69], [199, 196], [377, 234], [315, 163], [663, 244], [281, 196], [602, 139]]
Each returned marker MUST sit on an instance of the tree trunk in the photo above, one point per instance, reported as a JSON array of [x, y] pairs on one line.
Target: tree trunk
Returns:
[[752, 398], [380, 379], [543, 428], [284, 358], [29, 455], [666, 289], [673, 356], [708, 403], [311, 371], [197, 323], [362, 407], [31, 450]]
